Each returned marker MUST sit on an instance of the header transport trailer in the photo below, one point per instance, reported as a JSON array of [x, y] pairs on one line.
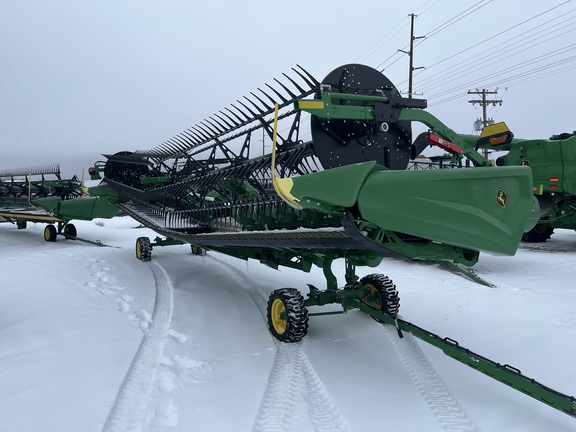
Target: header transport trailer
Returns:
[[341, 193]]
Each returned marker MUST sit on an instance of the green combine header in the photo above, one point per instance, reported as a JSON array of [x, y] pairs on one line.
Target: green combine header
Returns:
[[344, 193], [39, 194]]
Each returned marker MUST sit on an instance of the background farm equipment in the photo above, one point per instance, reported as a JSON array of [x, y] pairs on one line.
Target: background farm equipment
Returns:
[[343, 194], [553, 164], [32, 195], [19, 186]]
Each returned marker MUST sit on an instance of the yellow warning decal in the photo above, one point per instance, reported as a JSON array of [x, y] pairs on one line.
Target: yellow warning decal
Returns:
[[311, 104]]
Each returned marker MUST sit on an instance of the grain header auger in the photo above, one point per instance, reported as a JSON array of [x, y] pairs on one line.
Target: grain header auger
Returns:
[[40, 194], [343, 194]]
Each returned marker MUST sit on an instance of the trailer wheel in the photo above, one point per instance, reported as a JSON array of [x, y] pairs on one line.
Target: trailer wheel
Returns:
[[197, 250], [538, 234], [383, 294], [70, 230], [50, 233], [21, 224], [287, 315], [143, 249]]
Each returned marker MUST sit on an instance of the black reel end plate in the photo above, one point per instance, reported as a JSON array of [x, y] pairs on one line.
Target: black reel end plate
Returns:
[[344, 142]]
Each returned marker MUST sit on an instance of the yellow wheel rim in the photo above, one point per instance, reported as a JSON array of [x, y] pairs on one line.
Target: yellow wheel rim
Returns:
[[278, 316], [138, 251], [46, 233], [374, 300]]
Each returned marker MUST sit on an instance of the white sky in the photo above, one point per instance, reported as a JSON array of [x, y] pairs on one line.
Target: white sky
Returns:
[[81, 78]]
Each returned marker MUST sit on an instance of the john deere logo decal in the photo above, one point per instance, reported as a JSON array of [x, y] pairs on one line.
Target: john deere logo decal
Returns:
[[502, 198]]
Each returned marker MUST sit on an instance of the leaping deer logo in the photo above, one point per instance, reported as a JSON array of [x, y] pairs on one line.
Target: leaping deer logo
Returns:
[[502, 198]]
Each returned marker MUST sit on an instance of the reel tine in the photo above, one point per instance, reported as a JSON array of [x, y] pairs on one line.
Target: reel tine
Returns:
[[292, 95], [192, 136], [255, 106], [247, 108], [195, 135], [168, 146], [202, 133], [312, 82], [158, 150], [174, 145], [295, 84], [216, 126], [284, 100], [164, 146], [235, 123], [262, 102], [210, 128], [268, 96], [184, 142], [167, 150], [242, 112], [226, 124], [235, 115]]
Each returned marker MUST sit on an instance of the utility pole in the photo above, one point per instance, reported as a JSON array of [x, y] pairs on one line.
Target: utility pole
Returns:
[[410, 53], [484, 103]]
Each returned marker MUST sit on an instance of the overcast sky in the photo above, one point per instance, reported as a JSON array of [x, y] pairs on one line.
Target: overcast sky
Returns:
[[82, 78]]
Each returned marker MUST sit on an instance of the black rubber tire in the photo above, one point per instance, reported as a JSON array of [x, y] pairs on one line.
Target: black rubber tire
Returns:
[[384, 297], [70, 230], [196, 250], [287, 315], [538, 234], [143, 249], [21, 224], [50, 233]]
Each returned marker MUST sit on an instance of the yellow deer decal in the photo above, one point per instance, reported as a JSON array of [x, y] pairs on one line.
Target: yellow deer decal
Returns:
[[502, 198]]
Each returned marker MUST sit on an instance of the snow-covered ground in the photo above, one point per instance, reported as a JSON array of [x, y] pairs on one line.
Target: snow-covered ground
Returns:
[[93, 340]]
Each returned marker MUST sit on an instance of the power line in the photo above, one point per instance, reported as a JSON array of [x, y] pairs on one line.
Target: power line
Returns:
[[438, 29], [507, 50], [498, 34], [516, 67], [457, 18], [395, 54], [382, 41]]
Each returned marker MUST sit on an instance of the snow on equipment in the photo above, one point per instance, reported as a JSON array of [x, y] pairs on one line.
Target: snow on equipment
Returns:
[[343, 194]]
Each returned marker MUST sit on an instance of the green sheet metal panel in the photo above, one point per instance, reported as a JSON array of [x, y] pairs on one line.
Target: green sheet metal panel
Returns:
[[481, 209], [569, 160], [87, 209]]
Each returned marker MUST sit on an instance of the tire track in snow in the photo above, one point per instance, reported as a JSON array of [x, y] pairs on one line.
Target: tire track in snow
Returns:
[[292, 380], [450, 415], [128, 414], [283, 391], [248, 284]]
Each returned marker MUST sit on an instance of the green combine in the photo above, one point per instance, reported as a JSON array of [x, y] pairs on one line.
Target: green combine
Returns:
[[553, 165], [343, 193]]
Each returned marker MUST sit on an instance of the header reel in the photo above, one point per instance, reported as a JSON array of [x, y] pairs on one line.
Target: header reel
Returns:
[[385, 139]]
